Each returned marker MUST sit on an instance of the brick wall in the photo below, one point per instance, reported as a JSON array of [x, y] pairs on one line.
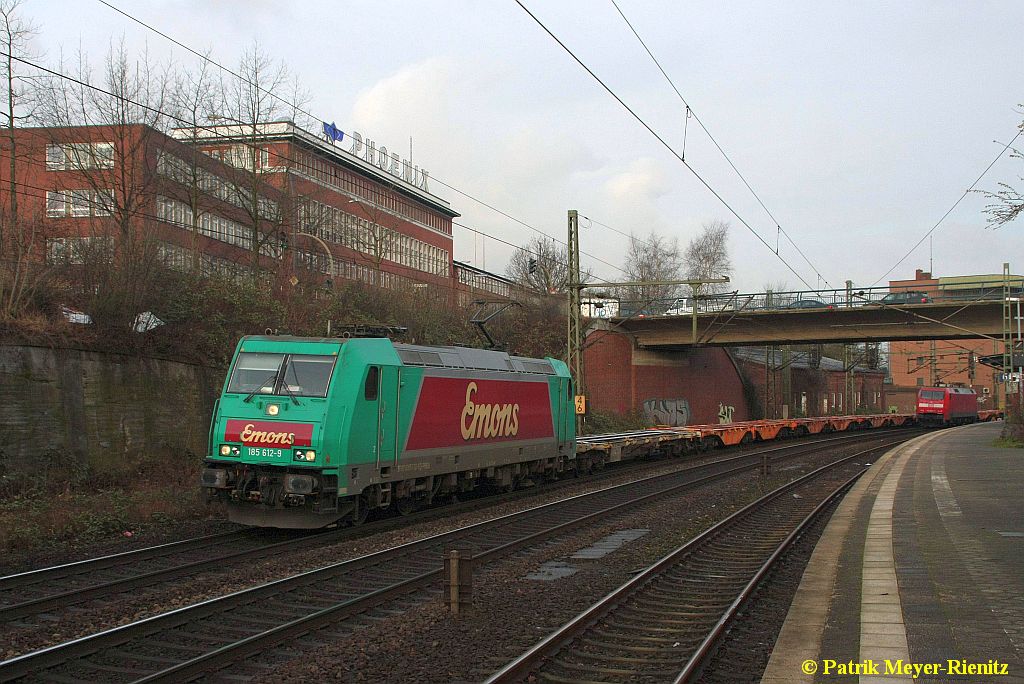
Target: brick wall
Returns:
[[680, 387]]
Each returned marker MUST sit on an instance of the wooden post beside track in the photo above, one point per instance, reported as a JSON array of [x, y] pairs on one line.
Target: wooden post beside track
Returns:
[[458, 581]]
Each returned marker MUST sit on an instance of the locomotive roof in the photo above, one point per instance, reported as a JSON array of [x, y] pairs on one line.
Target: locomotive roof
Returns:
[[468, 357], [439, 356], [952, 390]]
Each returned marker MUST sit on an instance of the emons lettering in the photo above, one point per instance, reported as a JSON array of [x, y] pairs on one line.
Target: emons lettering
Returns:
[[250, 434], [487, 420]]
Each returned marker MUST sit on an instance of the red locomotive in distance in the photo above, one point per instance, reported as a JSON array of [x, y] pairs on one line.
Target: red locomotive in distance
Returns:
[[945, 406]]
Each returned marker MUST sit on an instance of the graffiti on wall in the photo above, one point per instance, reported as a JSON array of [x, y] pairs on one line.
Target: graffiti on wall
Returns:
[[675, 412], [725, 413]]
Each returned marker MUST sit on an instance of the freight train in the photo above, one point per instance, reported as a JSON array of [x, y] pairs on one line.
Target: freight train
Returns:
[[310, 432], [945, 406]]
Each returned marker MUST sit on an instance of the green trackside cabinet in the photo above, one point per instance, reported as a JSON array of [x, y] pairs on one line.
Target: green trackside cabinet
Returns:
[[310, 432]]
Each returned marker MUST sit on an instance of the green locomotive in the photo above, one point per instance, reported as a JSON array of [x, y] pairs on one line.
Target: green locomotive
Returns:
[[310, 432]]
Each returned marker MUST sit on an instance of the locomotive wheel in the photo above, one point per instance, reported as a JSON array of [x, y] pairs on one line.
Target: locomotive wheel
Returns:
[[406, 505], [361, 511]]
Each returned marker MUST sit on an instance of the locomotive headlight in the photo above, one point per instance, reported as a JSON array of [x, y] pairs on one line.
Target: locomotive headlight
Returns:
[[225, 450], [273, 410], [305, 455]]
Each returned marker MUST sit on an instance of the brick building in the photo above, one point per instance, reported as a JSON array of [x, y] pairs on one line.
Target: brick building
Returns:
[[949, 362], [232, 199]]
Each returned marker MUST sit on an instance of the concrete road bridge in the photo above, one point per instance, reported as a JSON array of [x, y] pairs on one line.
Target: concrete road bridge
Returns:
[[811, 317]]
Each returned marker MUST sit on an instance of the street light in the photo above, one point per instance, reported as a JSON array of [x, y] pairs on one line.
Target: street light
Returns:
[[330, 258]]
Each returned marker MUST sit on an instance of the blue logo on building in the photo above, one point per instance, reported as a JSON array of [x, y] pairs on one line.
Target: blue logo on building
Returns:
[[332, 133]]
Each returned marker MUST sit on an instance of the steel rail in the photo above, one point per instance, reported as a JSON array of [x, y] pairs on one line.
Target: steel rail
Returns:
[[215, 660], [85, 646], [60, 599], [706, 647], [21, 579], [520, 668]]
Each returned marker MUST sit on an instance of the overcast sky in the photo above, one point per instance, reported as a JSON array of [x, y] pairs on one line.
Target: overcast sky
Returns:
[[858, 124]]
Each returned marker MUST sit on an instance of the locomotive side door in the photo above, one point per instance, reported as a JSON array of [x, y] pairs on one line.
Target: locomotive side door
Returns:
[[566, 412], [387, 416]]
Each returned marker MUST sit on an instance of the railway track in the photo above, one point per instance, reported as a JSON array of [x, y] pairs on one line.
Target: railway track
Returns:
[[205, 637], [665, 623], [54, 589]]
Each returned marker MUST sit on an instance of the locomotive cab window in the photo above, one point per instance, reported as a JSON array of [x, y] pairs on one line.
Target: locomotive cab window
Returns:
[[308, 375], [255, 372], [932, 394], [298, 375], [372, 383]]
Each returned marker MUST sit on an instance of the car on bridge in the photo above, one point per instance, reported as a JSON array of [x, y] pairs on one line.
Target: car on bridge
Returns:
[[902, 297], [808, 304]]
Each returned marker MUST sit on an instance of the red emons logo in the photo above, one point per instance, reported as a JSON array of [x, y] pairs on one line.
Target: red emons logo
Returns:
[[266, 434], [453, 412]]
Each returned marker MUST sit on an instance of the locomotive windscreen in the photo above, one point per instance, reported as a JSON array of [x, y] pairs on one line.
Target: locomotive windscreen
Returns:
[[303, 375]]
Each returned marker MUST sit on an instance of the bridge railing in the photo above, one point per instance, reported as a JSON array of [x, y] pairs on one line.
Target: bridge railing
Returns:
[[733, 302]]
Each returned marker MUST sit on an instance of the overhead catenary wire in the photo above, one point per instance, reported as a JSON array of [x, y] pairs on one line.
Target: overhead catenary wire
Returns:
[[949, 211], [689, 113], [296, 107], [664, 143]]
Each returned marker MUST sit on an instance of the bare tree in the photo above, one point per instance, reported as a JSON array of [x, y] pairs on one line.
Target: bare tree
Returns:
[[654, 258], [1007, 203], [707, 256], [194, 96], [249, 104], [115, 168], [541, 266], [19, 233]]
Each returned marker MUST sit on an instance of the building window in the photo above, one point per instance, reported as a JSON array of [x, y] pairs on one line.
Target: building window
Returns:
[[74, 250], [211, 225], [103, 203], [80, 156], [56, 203], [920, 382], [81, 202]]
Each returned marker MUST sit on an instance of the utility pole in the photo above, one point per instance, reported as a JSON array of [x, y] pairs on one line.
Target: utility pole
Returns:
[[771, 382], [933, 364], [787, 381], [849, 362], [574, 354], [1007, 336]]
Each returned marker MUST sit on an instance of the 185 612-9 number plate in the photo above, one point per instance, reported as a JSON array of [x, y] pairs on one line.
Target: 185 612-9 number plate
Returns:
[[265, 453]]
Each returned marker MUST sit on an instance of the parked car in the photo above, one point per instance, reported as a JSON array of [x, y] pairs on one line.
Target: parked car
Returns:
[[808, 304], [903, 297]]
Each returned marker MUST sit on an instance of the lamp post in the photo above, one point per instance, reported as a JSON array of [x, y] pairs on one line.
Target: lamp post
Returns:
[[330, 257]]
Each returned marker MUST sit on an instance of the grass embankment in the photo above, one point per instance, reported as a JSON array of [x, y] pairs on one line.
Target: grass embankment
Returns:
[[65, 513]]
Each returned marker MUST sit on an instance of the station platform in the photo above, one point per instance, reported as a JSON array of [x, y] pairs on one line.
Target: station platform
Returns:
[[920, 571]]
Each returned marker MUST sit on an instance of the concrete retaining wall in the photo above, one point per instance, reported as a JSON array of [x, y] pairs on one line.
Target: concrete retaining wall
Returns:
[[75, 409]]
